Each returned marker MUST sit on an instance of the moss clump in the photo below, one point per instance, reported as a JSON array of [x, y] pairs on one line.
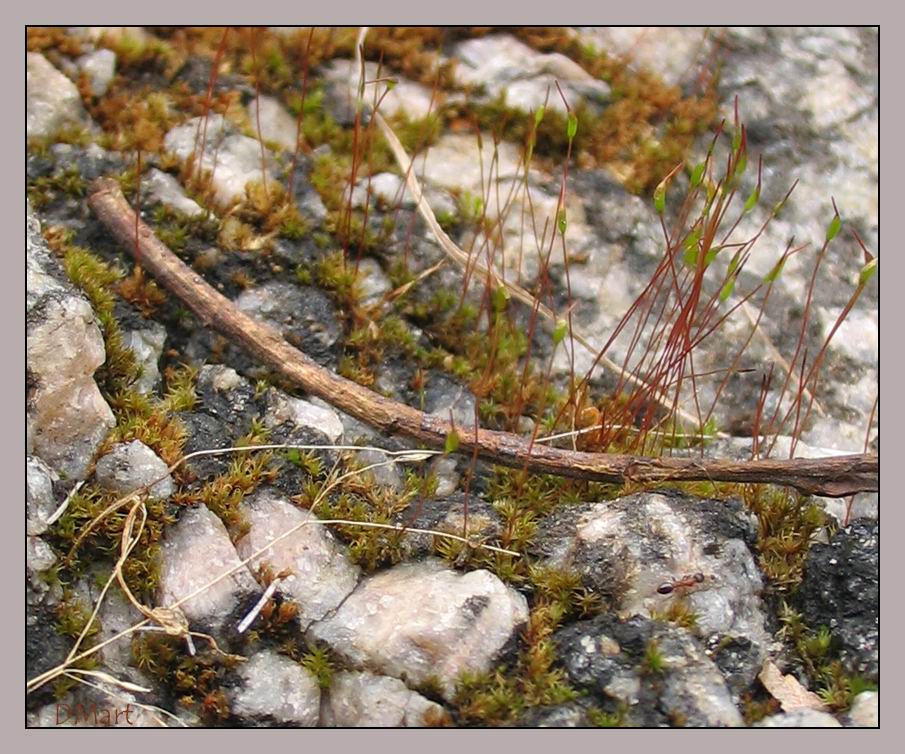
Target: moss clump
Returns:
[[42, 191], [195, 682], [787, 522]]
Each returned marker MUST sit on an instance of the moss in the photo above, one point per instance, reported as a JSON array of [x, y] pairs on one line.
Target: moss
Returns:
[[196, 682], [42, 191], [787, 522], [817, 652]]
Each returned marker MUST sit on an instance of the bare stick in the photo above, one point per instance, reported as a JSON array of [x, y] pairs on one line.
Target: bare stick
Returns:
[[834, 477]]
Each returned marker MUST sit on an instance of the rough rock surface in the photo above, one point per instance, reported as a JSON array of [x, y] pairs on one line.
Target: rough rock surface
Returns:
[[365, 700], [129, 466], [196, 550], [68, 417], [39, 500], [276, 691], [841, 590], [238, 158], [321, 574], [419, 621], [805, 718], [607, 656], [53, 100]]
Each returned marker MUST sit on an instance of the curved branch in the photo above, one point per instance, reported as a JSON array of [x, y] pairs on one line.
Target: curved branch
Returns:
[[835, 477]]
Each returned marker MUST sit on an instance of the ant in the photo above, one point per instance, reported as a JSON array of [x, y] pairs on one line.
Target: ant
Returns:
[[686, 582]]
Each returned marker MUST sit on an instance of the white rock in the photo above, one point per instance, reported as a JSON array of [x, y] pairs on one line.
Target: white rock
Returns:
[[147, 345], [374, 281], [383, 474], [100, 67], [195, 551], [69, 416], [384, 186], [407, 97], [39, 500], [238, 158], [454, 162], [165, 189], [365, 700], [504, 65], [422, 620], [865, 711], [303, 414], [804, 718], [132, 465], [52, 100], [321, 577], [277, 690], [277, 125], [670, 52]]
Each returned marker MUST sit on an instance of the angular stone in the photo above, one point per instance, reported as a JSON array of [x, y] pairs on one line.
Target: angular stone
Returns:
[[69, 417], [277, 125], [196, 550], [99, 66], [39, 501], [52, 100], [164, 188], [365, 700], [238, 158], [419, 621], [147, 345], [276, 691], [321, 577], [303, 414], [504, 65], [132, 465]]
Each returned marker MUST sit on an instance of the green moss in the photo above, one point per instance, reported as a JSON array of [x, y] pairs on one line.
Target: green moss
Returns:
[[787, 522], [817, 651]]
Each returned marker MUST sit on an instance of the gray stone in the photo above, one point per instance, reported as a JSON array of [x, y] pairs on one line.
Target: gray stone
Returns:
[[69, 417], [365, 700], [321, 574], [445, 398], [277, 125], [445, 468], [384, 475], [302, 414], [147, 345], [625, 549], [39, 500], [238, 158], [276, 691], [196, 550], [803, 718], [164, 188], [99, 66], [304, 315], [342, 76], [607, 656], [674, 53], [865, 711], [419, 621], [129, 466], [53, 101], [374, 281], [382, 187], [503, 65]]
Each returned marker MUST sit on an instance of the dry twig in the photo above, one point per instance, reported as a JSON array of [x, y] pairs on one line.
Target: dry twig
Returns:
[[835, 477]]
